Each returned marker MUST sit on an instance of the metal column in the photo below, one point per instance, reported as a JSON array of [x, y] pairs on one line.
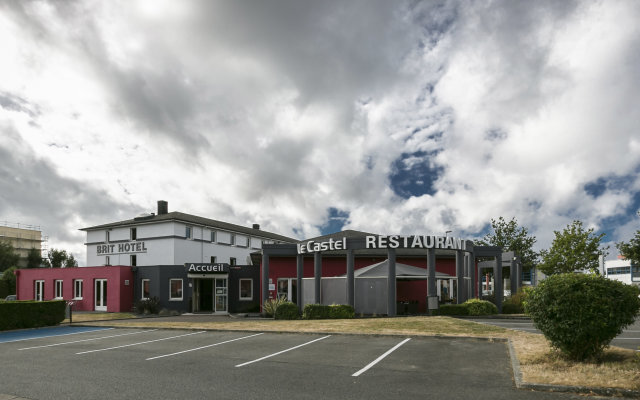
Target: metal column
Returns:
[[299, 276], [432, 294], [391, 283], [350, 279], [317, 275], [498, 291], [265, 276], [461, 295]]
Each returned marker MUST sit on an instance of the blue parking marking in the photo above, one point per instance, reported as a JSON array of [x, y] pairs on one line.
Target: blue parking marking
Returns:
[[38, 333]]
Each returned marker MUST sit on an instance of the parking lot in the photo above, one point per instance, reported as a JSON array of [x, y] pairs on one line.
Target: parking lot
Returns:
[[193, 364], [629, 339]]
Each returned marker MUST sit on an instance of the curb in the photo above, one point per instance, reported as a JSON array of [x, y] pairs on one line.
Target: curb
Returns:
[[520, 384]]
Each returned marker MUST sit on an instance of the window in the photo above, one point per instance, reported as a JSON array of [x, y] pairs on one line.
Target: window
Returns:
[[134, 233], [39, 291], [133, 260], [213, 259], [246, 289], [77, 289], [106, 236], [213, 236], [107, 260], [287, 288], [232, 261], [145, 287], [175, 286], [188, 232], [232, 239], [59, 289]]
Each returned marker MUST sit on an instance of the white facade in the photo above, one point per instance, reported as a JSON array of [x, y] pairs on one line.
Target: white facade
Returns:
[[621, 270], [171, 241]]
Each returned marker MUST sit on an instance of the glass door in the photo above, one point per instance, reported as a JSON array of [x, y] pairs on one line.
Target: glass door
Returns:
[[221, 295], [101, 295]]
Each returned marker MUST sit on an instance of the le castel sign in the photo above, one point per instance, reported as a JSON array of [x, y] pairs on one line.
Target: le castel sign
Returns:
[[205, 268]]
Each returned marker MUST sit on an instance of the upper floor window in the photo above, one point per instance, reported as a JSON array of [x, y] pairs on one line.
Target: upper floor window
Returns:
[[232, 239], [107, 260], [134, 233], [133, 260], [213, 259], [232, 261], [106, 235], [188, 232], [213, 236]]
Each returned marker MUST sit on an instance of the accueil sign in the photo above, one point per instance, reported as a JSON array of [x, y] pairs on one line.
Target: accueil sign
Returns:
[[203, 268], [388, 242], [131, 247]]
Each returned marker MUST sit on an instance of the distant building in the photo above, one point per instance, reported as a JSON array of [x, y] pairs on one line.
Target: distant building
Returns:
[[23, 238], [623, 270]]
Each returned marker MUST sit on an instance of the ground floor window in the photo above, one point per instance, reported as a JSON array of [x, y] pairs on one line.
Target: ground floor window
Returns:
[[175, 286], [246, 289], [39, 291], [59, 289], [287, 289], [77, 289], [145, 286]]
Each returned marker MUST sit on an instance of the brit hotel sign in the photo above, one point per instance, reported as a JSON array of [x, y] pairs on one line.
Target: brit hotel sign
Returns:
[[388, 242], [121, 248]]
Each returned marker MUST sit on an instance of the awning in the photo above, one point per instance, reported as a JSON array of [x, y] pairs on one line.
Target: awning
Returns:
[[381, 270]]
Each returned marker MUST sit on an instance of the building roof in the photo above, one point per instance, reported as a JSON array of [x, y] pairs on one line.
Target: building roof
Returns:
[[192, 219], [381, 270]]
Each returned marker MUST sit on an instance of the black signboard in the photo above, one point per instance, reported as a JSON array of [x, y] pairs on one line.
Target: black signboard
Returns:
[[207, 268]]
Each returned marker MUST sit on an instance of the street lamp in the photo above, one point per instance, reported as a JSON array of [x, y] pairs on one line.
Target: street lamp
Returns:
[[447, 233]]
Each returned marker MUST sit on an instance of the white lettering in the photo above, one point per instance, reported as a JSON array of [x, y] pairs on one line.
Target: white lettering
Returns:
[[393, 242], [439, 242], [416, 242], [429, 242], [382, 242], [370, 242], [449, 242]]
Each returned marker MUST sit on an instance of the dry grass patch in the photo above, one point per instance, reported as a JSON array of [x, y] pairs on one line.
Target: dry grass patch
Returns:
[[88, 317], [539, 363]]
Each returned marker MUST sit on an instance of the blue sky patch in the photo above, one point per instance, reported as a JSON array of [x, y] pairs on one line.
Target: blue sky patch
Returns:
[[414, 174], [337, 219]]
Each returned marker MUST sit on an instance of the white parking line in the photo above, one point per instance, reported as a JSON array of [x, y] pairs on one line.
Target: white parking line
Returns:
[[86, 340], [280, 352], [377, 360], [203, 347], [63, 334], [135, 344]]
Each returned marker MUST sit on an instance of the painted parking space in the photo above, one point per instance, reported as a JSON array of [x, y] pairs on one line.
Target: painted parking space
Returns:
[[40, 333], [193, 364]]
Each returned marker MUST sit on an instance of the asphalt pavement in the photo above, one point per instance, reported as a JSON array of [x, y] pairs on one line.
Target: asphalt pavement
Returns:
[[190, 364]]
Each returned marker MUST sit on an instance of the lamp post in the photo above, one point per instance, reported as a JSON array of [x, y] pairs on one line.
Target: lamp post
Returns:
[[447, 233]]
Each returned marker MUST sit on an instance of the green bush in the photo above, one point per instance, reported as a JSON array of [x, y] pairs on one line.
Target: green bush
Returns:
[[515, 303], [147, 306], [452, 309], [315, 311], [287, 310], [509, 307], [270, 306], [341, 311], [31, 314], [480, 307], [580, 314]]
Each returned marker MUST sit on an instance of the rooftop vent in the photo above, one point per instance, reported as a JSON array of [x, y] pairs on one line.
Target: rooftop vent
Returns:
[[256, 226], [163, 207]]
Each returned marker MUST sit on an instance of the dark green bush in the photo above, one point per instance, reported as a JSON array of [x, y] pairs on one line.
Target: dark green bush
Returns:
[[31, 314], [287, 310], [271, 306], [581, 313], [341, 311], [508, 307], [315, 311], [452, 309], [147, 306], [480, 307]]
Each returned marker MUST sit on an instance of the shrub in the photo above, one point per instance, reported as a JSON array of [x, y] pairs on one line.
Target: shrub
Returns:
[[315, 311], [580, 314], [31, 314], [147, 306], [341, 311], [287, 310], [480, 307], [270, 306], [509, 307], [452, 309]]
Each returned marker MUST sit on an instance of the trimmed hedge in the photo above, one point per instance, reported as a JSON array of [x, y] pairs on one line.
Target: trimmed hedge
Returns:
[[31, 314], [581, 313], [469, 307], [334, 311], [287, 310]]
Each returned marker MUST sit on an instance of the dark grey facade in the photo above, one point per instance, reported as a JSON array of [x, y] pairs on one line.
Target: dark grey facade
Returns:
[[158, 278]]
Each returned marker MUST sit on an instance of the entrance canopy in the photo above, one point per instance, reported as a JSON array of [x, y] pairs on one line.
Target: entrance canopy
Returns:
[[403, 271]]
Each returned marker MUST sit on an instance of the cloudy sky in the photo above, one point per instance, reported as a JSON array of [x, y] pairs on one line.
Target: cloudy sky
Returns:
[[311, 117]]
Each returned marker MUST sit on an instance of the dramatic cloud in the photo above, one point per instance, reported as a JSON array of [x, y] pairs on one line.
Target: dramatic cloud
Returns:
[[309, 117]]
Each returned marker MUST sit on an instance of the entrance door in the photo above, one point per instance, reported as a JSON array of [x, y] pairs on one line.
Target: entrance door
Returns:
[[287, 289], [221, 295], [205, 295], [101, 295]]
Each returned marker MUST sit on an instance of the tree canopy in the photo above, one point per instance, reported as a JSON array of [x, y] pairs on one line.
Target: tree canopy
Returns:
[[631, 250], [573, 250], [60, 259], [8, 257], [34, 258], [511, 237]]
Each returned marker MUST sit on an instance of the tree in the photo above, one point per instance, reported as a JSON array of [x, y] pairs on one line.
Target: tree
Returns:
[[573, 250], [511, 237], [8, 257], [34, 258], [60, 259], [631, 250], [9, 279]]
